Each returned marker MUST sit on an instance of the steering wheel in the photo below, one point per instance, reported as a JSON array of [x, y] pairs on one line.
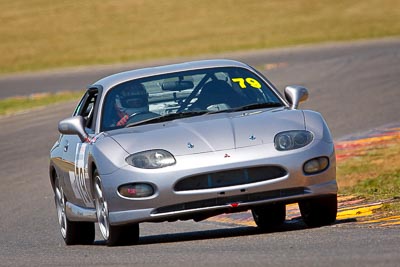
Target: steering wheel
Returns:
[[135, 117], [140, 116]]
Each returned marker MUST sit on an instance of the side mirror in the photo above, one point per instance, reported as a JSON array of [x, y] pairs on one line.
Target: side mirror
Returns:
[[295, 94], [73, 126]]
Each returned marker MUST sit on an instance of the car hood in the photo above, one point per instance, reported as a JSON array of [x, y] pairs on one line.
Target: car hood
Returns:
[[209, 133]]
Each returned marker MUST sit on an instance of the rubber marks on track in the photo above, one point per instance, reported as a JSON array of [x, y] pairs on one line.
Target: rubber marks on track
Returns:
[[277, 65], [353, 145]]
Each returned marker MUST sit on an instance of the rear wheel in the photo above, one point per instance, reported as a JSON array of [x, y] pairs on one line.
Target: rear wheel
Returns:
[[320, 211], [73, 233], [269, 216], [114, 235]]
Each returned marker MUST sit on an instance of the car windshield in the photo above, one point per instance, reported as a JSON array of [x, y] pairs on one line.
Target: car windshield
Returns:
[[184, 94]]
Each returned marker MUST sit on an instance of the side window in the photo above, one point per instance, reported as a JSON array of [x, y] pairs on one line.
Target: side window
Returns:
[[79, 106], [86, 108]]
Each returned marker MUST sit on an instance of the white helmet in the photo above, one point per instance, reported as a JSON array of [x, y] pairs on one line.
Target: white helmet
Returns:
[[133, 98]]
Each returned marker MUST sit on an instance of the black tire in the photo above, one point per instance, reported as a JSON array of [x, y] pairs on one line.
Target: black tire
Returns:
[[79, 233], [269, 217], [123, 235], [73, 233], [114, 235], [320, 211]]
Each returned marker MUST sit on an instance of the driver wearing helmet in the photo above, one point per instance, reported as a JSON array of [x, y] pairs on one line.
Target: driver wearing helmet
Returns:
[[132, 99]]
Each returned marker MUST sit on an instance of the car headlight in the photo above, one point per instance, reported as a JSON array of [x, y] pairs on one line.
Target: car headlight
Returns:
[[292, 140], [151, 159]]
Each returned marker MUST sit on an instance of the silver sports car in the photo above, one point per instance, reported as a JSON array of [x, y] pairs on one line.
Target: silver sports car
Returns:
[[189, 141]]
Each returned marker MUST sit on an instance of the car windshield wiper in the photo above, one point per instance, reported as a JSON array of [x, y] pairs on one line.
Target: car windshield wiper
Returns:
[[248, 107], [168, 117], [256, 106]]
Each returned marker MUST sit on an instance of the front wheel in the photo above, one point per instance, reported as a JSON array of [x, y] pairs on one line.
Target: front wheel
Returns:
[[73, 233], [114, 235], [269, 216], [320, 211]]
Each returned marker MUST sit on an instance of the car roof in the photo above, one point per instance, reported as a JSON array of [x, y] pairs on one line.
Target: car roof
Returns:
[[112, 80]]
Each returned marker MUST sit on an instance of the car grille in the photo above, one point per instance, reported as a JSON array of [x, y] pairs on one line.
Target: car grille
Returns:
[[222, 201], [230, 178]]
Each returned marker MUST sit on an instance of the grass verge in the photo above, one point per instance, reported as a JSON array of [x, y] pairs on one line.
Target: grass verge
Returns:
[[17, 104], [372, 172], [46, 34]]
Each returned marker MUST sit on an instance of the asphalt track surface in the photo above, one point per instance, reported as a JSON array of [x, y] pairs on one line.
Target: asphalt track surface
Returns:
[[355, 86]]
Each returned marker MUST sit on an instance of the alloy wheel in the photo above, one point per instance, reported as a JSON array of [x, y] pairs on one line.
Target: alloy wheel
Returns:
[[101, 209], [60, 206]]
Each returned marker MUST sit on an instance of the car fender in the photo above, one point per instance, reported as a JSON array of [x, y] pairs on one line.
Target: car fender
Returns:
[[107, 155], [316, 124]]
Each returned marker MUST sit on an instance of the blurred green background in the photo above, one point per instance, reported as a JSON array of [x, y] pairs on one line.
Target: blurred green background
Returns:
[[47, 34]]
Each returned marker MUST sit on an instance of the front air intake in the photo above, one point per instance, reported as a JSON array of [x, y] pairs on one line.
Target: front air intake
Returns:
[[230, 178]]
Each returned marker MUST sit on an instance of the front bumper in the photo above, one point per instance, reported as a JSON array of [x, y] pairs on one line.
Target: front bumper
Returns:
[[168, 204]]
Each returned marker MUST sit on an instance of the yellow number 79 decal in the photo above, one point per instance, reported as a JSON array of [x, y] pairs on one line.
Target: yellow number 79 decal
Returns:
[[250, 81]]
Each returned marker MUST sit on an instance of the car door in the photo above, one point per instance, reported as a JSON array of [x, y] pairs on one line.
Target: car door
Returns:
[[75, 154]]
